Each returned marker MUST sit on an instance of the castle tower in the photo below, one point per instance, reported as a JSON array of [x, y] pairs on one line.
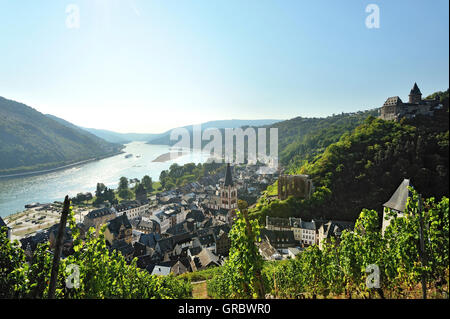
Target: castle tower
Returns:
[[415, 96], [228, 192]]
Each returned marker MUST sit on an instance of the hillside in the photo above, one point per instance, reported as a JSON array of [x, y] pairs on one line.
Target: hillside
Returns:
[[364, 168], [301, 139], [31, 141]]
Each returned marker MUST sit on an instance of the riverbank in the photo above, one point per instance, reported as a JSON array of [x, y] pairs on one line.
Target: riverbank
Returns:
[[36, 219], [50, 170]]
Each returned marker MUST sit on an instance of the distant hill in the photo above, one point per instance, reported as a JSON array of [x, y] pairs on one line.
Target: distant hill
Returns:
[[31, 141], [164, 138], [121, 138]]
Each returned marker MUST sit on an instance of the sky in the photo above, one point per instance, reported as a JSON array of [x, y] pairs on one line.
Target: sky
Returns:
[[148, 66]]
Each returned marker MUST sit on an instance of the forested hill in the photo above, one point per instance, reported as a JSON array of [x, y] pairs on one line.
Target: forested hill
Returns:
[[31, 141], [301, 139], [363, 169]]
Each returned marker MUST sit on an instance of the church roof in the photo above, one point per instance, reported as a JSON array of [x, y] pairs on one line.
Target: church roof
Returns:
[[228, 177], [415, 89]]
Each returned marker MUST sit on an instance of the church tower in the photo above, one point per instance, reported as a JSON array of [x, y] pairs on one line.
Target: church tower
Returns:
[[415, 96], [228, 192]]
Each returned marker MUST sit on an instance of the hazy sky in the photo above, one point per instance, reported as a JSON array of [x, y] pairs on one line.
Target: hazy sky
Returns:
[[148, 66]]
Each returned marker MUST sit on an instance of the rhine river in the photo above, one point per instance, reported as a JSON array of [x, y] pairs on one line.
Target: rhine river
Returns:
[[15, 193]]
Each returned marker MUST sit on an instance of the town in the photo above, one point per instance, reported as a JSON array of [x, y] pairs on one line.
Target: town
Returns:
[[186, 229]]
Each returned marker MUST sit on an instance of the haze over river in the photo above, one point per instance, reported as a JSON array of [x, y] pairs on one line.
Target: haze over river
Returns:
[[15, 193]]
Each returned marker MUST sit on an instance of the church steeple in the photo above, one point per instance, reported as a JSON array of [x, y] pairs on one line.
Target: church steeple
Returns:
[[228, 192], [228, 177]]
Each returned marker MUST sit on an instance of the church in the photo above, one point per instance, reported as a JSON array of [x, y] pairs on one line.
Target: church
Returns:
[[225, 201], [394, 109]]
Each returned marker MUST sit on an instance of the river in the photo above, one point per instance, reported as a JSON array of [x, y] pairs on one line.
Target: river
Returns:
[[15, 193]]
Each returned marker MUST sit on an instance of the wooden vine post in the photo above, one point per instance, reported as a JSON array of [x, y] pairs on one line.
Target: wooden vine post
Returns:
[[58, 248]]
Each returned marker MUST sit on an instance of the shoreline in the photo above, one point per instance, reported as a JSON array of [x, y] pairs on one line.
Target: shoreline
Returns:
[[50, 170]]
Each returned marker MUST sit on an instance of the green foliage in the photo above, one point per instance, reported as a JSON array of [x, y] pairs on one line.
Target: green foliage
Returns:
[[148, 183], [340, 267], [241, 276], [365, 166], [303, 139], [102, 274]]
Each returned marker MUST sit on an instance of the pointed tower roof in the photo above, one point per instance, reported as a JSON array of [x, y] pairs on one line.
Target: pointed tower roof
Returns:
[[400, 197], [415, 89], [228, 177]]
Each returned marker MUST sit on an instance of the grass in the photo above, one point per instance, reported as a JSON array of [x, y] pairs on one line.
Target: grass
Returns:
[[201, 275]]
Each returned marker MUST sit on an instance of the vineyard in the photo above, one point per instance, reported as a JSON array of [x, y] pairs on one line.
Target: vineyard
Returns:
[[411, 260], [101, 274]]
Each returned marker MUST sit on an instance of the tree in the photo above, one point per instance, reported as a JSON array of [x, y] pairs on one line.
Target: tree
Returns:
[[140, 192], [123, 183], [148, 183]]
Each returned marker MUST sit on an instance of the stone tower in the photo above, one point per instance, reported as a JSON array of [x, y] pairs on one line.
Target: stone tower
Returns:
[[415, 96], [228, 191]]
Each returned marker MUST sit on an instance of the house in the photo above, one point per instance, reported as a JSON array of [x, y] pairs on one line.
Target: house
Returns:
[[124, 247], [205, 259], [98, 217], [133, 208], [267, 251], [119, 229], [396, 203], [222, 243], [304, 232], [293, 252], [8, 229], [149, 240], [333, 229], [147, 225], [179, 268], [309, 233], [161, 270], [279, 238]]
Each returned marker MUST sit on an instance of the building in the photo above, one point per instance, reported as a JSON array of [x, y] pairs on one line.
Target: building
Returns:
[[98, 217], [304, 232], [228, 192], [294, 185], [222, 243], [279, 238], [333, 229], [267, 251], [397, 203], [394, 109], [119, 229], [133, 208], [205, 259]]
